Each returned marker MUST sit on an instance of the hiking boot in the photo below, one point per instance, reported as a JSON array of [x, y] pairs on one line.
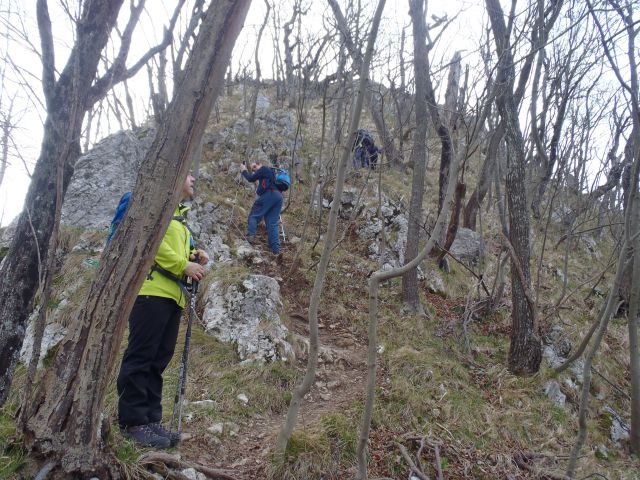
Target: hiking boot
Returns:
[[143, 435], [158, 429], [279, 259], [252, 239]]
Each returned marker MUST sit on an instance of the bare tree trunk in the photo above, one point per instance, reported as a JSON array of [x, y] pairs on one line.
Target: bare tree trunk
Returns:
[[44, 282], [484, 182], [67, 100], [256, 88], [633, 322], [342, 79], [66, 106], [586, 382], [288, 55], [525, 351], [307, 382], [374, 285], [64, 419], [6, 127], [410, 294]]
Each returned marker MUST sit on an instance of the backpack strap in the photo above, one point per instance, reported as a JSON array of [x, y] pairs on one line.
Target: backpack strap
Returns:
[[166, 273], [183, 221]]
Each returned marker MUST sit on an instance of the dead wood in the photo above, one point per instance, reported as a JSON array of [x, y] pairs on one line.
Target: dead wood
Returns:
[[407, 458], [154, 458]]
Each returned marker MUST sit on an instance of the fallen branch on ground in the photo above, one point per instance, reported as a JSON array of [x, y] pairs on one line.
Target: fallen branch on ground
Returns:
[[407, 458], [154, 458], [521, 459]]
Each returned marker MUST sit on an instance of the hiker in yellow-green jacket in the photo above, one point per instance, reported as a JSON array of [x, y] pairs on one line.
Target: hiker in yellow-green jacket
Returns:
[[153, 331]]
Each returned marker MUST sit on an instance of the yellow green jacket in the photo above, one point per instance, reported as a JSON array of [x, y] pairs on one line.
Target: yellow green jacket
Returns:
[[173, 256]]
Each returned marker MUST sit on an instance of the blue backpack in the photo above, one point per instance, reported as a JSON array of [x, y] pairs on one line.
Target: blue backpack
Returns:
[[121, 209], [282, 178]]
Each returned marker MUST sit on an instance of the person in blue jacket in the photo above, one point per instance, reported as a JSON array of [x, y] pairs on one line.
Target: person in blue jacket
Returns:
[[268, 205]]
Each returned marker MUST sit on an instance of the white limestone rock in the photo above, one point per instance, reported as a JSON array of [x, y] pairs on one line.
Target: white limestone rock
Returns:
[[247, 314]]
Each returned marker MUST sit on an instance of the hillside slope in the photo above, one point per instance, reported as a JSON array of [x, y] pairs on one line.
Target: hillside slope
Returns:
[[444, 395]]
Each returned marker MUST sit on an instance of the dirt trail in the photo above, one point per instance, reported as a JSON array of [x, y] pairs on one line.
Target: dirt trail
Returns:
[[340, 378]]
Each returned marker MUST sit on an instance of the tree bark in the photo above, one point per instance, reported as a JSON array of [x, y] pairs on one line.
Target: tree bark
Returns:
[[66, 101], [65, 416], [525, 350], [410, 294]]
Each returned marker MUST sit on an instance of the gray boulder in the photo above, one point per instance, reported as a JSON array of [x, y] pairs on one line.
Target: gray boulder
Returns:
[[468, 247], [620, 430], [247, 314], [262, 103], [553, 391], [7, 233], [102, 176]]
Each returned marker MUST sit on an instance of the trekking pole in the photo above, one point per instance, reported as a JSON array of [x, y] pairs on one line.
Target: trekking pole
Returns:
[[284, 237], [182, 379]]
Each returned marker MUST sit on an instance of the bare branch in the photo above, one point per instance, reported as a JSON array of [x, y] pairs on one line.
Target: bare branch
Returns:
[[48, 58], [118, 72]]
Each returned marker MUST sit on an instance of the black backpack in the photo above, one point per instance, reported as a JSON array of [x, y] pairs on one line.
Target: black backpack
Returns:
[[363, 138]]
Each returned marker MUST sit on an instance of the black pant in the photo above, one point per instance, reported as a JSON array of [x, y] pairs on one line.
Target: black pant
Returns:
[[153, 331]]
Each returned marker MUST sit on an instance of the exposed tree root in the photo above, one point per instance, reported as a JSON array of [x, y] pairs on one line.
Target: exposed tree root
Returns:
[[173, 461]]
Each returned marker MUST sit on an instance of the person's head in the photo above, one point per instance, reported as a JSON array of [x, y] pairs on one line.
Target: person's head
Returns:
[[188, 189], [255, 166]]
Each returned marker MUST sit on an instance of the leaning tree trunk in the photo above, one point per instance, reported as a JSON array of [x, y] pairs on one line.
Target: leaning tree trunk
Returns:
[[67, 102], [410, 296], [301, 390], [377, 278], [64, 421], [525, 350], [484, 182]]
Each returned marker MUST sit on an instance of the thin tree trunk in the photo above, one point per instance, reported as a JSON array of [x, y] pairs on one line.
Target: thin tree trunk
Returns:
[[410, 293], [525, 350], [301, 390], [256, 88], [586, 373], [374, 286]]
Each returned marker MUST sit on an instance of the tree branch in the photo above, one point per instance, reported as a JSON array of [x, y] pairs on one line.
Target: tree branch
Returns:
[[48, 53], [118, 72]]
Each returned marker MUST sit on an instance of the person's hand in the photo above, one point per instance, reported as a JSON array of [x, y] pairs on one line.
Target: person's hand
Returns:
[[194, 270], [243, 167], [200, 256]]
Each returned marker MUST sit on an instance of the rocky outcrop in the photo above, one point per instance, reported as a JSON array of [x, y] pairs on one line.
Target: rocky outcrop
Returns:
[[102, 176], [468, 246], [247, 314]]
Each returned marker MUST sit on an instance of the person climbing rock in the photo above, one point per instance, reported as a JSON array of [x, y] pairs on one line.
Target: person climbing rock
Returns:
[[268, 205]]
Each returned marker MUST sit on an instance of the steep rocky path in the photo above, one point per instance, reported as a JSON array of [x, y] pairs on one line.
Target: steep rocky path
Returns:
[[340, 379]]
